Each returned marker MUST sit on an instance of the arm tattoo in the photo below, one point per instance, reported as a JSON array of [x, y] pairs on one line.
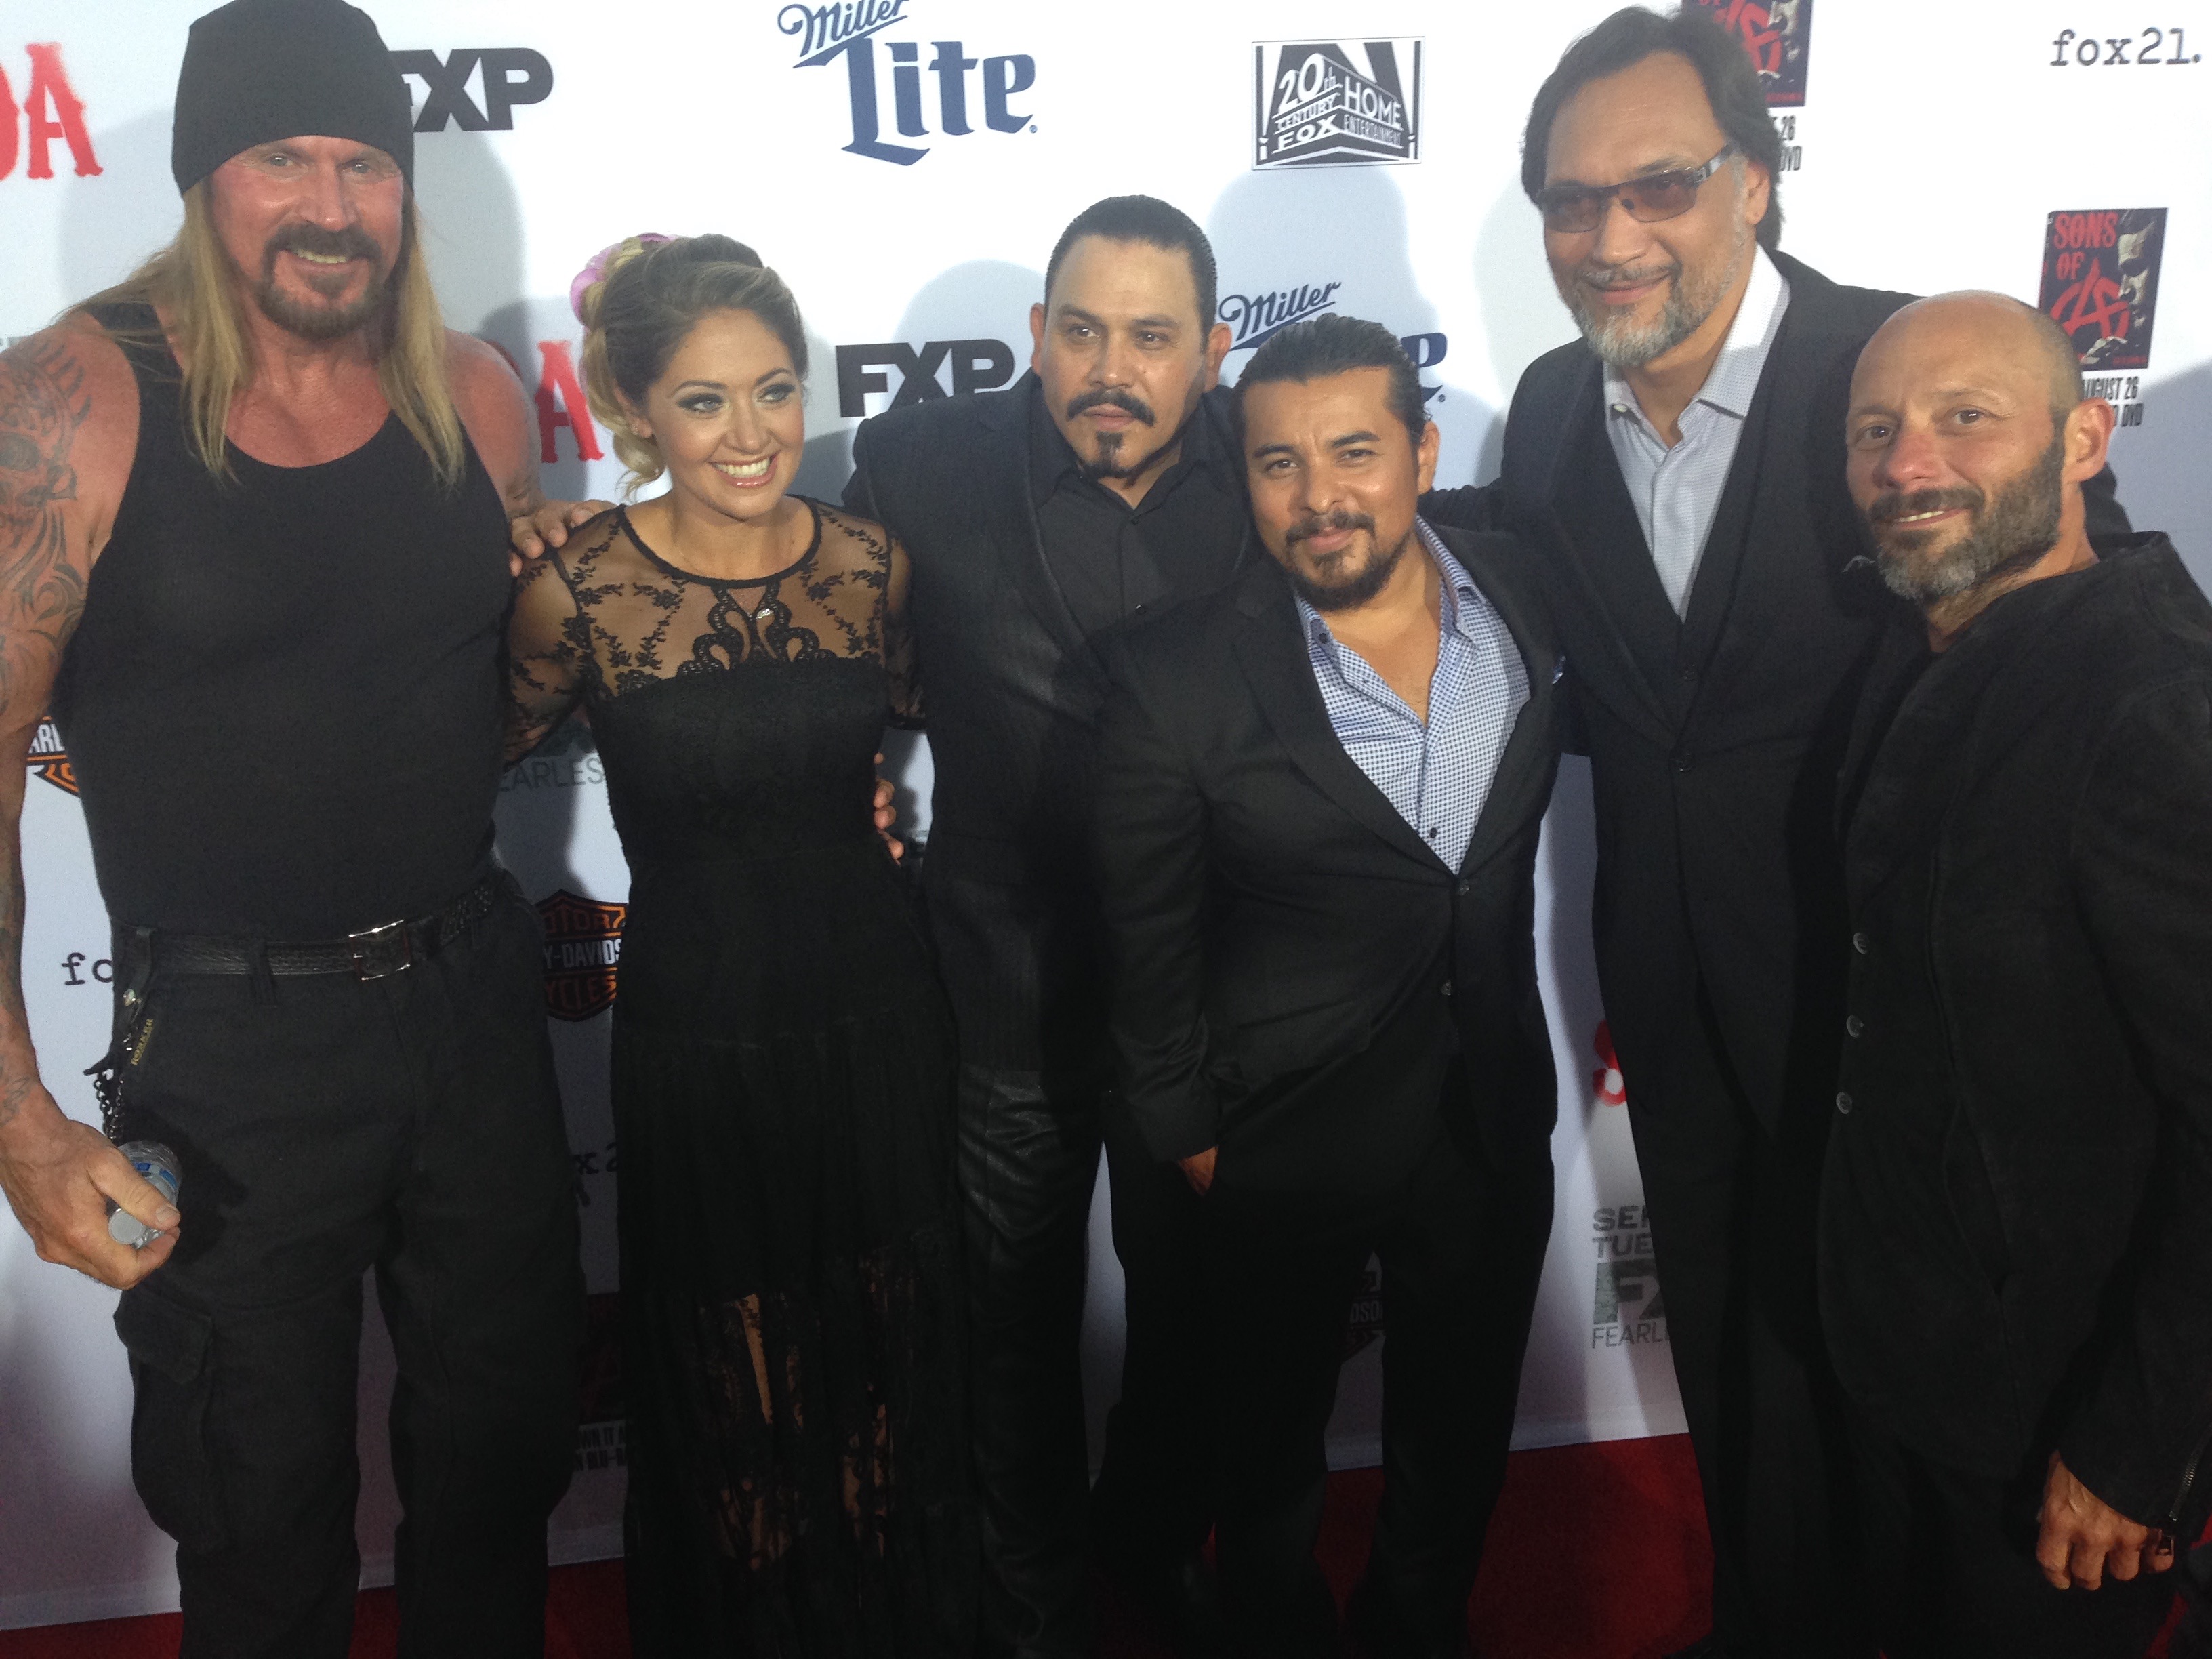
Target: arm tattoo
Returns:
[[43, 405]]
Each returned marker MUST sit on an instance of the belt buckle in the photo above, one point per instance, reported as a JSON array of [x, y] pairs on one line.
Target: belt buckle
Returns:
[[381, 952]]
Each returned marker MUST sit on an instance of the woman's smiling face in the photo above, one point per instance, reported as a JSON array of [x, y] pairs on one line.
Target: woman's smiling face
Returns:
[[728, 416]]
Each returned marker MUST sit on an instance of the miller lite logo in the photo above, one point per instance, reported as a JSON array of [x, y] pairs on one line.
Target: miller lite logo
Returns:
[[583, 948], [2100, 281], [1776, 35], [1336, 103], [849, 28], [49, 755], [1364, 1322], [1255, 318]]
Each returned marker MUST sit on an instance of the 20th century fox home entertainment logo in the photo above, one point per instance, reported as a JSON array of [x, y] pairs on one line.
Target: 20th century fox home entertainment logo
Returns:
[[1336, 103]]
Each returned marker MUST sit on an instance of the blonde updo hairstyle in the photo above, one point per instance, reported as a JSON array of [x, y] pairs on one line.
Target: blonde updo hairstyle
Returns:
[[651, 296]]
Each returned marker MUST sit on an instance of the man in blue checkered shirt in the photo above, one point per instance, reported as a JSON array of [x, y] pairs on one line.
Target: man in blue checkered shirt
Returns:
[[1319, 796]]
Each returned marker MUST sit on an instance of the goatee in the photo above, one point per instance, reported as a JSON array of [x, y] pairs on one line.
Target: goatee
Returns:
[[1108, 463], [1692, 296], [2009, 530], [1355, 590], [323, 322]]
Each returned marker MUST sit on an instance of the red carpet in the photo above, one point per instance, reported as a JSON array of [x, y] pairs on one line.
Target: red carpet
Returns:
[[1595, 1553]]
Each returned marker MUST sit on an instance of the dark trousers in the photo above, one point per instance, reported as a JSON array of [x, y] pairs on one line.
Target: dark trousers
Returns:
[[1461, 1243], [328, 1126], [1152, 1506], [1029, 1160], [1952, 1573], [1732, 1210]]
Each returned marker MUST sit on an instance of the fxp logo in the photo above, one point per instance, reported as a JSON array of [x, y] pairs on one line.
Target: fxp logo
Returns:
[[848, 30], [508, 76]]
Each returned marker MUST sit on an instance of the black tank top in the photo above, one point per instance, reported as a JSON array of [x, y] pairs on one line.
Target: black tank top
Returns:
[[283, 701]]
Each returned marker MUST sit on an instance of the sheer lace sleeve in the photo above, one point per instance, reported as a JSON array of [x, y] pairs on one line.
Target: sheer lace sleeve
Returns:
[[901, 658], [546, 664]]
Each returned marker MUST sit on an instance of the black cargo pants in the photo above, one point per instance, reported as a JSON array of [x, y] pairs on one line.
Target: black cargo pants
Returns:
[[327, 1125]]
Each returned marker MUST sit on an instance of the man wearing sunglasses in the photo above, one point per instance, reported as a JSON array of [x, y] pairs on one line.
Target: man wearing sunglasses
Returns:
[[1679, 472]]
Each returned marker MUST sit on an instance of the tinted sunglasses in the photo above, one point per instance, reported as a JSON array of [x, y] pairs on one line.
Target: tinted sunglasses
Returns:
[[1575, 209]]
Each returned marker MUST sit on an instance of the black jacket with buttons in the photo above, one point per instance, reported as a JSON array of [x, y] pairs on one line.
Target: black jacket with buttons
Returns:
[[1713, 737], [2016, 1243], [1295, 965]]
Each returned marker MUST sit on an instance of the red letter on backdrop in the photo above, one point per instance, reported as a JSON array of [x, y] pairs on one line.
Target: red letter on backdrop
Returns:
[[560, 403], [65, 121], [9, 115]]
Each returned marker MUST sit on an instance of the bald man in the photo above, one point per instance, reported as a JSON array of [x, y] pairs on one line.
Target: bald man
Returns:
[[2015, 1229]]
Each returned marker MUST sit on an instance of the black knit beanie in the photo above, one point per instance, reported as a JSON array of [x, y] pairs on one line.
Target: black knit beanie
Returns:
[[259, 70]]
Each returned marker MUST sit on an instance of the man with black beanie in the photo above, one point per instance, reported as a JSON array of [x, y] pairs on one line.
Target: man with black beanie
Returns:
[[288, 524]]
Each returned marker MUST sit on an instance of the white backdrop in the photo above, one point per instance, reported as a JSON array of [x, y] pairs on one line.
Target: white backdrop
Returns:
[[909, 190]]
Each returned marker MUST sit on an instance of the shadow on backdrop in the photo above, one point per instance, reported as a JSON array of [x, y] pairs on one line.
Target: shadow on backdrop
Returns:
[[1522, 316], [1295, 244], [2160, 476]]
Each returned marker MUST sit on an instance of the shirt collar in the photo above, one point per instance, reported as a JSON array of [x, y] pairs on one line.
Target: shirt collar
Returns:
[[1460, 594], [1733, 380]]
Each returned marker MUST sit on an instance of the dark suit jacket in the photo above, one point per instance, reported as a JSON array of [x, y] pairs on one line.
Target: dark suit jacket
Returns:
[[1291, 958], [1011, 691], [2016, 1220], [1714, 739]]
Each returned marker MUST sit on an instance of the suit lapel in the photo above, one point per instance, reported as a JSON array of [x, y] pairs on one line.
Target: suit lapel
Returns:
[[1712, 593], [1272, 654], [1526, 768], [1914, 769], [1593, 519], [1011, 513]]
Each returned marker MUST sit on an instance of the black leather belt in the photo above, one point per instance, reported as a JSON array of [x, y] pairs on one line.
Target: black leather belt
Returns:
[[373, 953]]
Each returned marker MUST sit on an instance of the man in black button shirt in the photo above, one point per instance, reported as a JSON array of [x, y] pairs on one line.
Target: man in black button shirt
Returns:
[[1118, 546], [1104, 484]]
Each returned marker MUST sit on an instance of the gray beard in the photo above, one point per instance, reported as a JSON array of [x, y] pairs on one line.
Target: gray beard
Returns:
[[1625, 344], [2017, 527]]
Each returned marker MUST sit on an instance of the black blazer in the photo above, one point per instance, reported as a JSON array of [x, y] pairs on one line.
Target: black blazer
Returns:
[[1011, 692], [1010, 687], [1289, 957], [2016, 1216], [1714, 738]]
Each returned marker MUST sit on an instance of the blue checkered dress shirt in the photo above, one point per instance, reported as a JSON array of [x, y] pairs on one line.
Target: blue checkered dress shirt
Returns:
[[1439, 775]]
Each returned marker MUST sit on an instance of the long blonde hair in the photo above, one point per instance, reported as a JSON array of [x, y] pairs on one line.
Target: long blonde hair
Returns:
[[194, 282]]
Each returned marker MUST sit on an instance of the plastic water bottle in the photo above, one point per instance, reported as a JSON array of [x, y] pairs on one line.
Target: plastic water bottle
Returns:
[[159, 1165]]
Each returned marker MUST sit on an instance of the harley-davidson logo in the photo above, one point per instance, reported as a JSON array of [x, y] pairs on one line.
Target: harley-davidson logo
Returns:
[[583, 948], [49, 756]]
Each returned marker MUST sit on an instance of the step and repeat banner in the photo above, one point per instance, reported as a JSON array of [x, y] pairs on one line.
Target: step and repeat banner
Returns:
[[907, 164]]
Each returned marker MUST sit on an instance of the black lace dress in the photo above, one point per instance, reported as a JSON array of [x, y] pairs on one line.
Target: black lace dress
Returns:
[[783, 1088]]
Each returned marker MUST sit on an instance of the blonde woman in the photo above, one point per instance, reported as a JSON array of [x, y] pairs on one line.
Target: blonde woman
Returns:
[[783, 1060]]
